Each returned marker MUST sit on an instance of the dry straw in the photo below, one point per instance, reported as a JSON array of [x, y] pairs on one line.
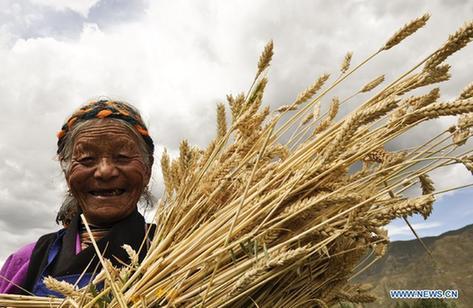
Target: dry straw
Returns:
[[251, 221]]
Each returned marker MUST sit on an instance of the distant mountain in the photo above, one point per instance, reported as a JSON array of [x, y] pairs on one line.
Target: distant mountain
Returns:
[[407, 265]]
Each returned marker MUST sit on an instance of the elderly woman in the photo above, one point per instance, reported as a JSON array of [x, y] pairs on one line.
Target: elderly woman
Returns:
[[106, 154]]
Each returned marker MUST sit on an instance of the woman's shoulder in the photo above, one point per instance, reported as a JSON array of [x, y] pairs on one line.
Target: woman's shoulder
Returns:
[[24, 253], [15, 268]]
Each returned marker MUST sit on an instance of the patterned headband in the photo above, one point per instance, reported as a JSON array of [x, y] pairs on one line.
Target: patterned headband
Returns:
[[106, 109]]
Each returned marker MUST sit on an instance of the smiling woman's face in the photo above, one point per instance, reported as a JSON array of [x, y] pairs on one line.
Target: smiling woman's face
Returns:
[[108, 173]]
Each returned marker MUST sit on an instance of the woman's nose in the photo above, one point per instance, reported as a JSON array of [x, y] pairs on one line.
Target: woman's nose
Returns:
[[106, 169]]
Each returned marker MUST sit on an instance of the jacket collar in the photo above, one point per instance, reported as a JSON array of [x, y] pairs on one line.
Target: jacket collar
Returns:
[[130, 230]]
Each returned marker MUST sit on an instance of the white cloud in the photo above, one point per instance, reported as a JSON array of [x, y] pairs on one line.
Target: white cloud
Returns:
[[395, 230], [80, 6], [175, 63], [450, 177]]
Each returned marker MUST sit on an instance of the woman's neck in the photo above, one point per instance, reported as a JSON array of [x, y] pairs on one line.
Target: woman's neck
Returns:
[[98, 232]]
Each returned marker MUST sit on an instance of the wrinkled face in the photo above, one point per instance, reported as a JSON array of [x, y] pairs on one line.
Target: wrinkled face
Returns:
[[108, 173]]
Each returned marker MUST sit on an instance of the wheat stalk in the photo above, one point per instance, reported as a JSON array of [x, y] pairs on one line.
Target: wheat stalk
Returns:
[[346, 62], [250, 220], [455, 42], [372, 84], [265, 58], [406, 31]]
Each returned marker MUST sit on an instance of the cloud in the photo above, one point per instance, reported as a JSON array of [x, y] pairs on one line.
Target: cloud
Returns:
[[63, 20], [450, 177], [394, 230], [80, 6], [112, 12], [175, 60]]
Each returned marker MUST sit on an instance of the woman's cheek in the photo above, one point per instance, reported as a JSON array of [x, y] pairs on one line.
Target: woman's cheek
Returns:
[[140, 167], [76, 176]]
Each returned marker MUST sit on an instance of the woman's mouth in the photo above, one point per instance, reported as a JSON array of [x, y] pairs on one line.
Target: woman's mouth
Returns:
[[107, 192]]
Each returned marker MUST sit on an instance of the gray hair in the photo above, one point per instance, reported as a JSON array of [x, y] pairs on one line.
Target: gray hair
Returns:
[[70, 205]]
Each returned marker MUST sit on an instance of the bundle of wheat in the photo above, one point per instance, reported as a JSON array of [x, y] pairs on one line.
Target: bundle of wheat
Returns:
[[252, 221]]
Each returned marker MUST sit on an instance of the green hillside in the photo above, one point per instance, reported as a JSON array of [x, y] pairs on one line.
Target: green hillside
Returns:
[[407, 265]]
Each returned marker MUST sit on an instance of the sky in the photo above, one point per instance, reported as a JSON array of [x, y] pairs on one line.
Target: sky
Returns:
[[175, 60]]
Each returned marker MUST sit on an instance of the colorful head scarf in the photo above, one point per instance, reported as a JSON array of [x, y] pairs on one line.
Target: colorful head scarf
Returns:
[[106, 109]]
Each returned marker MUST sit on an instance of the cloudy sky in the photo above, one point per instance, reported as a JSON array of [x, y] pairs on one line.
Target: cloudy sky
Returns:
[[175, 60]]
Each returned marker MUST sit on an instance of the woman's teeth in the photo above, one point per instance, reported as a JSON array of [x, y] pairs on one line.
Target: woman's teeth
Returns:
[[108, 192]]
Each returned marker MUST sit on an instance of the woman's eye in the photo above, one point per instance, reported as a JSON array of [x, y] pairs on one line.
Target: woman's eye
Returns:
[[86, 160], [123, 158]]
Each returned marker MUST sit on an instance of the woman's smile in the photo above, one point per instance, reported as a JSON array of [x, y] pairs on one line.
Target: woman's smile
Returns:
[[107, 193]]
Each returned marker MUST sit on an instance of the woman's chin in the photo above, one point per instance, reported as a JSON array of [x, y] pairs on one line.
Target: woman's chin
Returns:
[[106, 215]]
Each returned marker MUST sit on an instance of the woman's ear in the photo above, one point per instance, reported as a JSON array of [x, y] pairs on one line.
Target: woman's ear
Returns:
[[150, 169], [67, 182]]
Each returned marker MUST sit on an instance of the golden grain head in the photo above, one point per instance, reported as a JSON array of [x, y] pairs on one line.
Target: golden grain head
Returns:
[[346, 62], [265, 58], [372, 84], [407, 30]]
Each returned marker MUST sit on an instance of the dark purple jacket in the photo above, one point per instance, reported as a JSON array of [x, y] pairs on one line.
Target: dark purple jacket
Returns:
[[15, 269], [57, 255]]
